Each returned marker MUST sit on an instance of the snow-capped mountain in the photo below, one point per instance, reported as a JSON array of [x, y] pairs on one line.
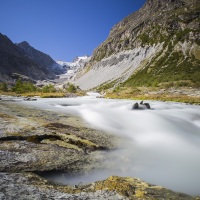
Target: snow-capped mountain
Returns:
[[78, 62], [72, 67], [62, 63]]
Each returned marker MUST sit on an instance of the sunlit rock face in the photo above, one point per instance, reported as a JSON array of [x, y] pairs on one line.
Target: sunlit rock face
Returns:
[[165, 36], [30, 186], [117, 66]]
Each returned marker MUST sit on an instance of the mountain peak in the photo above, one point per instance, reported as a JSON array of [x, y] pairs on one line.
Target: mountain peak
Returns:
[[39, 57], [13, 59], [24, 43], [169, 3]]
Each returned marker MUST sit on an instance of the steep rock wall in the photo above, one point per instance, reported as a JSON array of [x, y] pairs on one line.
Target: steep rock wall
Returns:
[[173, 23], [119, 66]]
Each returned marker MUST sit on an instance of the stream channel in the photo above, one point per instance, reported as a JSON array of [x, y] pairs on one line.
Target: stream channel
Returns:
[[162, 145]]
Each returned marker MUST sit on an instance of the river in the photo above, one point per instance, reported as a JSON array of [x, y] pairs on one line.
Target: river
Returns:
[[160, 145]]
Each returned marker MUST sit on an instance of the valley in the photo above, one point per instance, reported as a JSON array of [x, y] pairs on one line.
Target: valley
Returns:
[[83, 129]]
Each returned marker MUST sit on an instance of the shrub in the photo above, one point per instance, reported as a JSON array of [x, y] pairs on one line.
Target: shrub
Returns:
[[22, 87], [48, 89], [71, 88], [3, 87]]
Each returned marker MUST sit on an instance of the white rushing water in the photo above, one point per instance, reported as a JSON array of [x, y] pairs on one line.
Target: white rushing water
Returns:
[[161, 146]]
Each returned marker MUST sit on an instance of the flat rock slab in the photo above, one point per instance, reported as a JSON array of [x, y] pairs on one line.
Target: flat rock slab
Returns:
[[27, 156], [25, 186], [39, 140], [29, 186]]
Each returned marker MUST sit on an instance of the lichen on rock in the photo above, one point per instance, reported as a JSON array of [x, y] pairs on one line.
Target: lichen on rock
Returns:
[[61, 146]]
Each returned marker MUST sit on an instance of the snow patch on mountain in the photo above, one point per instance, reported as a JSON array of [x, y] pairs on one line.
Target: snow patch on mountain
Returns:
[[76, 63], [72, 67]]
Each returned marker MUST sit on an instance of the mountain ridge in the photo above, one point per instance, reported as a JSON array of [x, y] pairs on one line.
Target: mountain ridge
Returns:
[[14, 60], [165, 29], [41, 58]]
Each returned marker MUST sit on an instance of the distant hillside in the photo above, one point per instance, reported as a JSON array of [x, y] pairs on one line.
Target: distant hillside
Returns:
[[157, 45], [39, 57], [14, 60]]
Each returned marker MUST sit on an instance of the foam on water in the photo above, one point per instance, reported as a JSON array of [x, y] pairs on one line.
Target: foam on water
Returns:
[[161, 145]]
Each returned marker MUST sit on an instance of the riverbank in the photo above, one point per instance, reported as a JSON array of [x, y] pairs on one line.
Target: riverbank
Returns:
[[33, 140], [181, 94], [40, 136]]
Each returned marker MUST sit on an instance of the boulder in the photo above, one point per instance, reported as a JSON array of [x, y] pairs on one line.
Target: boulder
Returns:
[[145, 104], [141, 106], [135, 106]]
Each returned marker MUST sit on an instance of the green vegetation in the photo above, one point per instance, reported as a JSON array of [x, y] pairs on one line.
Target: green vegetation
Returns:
[[173, 67], [30, 90], [145, 93], [50, 95], [27, 87], [144, 38], [71, 88], [48, 89], [158, 35], [169, 68], [101, 54], [3, 87], [153, 35], [106, 86], [87, 69], [23, 87], [182, 34]]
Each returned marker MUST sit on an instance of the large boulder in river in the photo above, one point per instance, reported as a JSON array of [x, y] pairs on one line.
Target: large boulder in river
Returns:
[[141, 106]]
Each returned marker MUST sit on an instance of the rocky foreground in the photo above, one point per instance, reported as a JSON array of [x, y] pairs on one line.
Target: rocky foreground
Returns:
[[34, 141]]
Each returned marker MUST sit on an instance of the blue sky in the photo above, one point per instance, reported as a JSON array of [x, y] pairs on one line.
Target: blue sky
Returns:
[[63, 29]]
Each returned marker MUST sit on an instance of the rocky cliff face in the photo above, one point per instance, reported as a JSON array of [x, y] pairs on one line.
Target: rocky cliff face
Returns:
[[152, 44], [14, 59], [39, 57]]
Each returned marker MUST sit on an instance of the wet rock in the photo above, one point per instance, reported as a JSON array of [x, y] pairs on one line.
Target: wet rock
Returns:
[[35, 140], [30, 99], [30, 186], [135, 106], [25, 186], [141, 106], [147, 105], [17, 156], [134, 188]]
